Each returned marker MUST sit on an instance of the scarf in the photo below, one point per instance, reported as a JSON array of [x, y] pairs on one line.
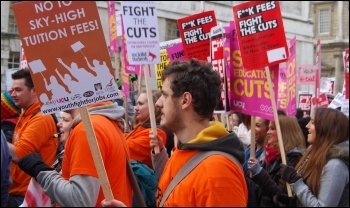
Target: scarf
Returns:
[[272, 153]]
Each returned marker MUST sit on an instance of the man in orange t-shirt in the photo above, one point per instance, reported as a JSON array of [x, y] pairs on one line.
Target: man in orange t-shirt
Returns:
[[33, 133], [191, 90], [79, 185]]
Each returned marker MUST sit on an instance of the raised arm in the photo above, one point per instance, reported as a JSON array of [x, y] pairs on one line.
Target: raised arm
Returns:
[[63, 64]]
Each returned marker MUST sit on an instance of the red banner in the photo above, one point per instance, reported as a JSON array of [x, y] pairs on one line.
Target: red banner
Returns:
[[195, 34], [261, 36]]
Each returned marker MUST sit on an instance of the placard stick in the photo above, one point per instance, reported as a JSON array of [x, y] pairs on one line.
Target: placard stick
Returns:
[[96, 154], [139, 80], [228, 122], [126, 107], [150, 104], [277, 123], [252, 139], [116, 73]]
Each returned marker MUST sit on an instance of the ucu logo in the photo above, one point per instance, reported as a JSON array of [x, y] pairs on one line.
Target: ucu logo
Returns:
[[239, 104]]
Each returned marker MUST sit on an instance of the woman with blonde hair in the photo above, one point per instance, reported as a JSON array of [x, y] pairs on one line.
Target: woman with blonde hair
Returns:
[[321, 178], [267, 174], [138, 139]]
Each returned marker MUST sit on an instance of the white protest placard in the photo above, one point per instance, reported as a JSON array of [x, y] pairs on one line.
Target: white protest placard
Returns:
[[141, 31]]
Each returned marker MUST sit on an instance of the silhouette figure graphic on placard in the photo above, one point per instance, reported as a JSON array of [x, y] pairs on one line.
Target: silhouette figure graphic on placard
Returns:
[[101, 70], [79, 73], [57, 90], [43, 98], [68, 81]]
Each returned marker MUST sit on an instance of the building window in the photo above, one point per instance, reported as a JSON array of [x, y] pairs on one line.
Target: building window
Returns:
[[324, 21], [13, 62], [172, 31], [12, 21]]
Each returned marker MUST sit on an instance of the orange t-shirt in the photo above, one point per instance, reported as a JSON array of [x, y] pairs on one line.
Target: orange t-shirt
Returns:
[[138, 142], [32, 134], [78, 159], [216, 181]]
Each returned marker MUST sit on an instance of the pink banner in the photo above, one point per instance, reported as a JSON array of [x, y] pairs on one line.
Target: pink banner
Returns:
[[112, 25], [306, 74], [346, 72], [251, 93], [291, 109], [176, 52], [231, 39]]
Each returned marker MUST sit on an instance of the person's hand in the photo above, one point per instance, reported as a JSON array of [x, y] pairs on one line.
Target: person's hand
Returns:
[[289, 174], [33, 164], [112, 203], [156, 141], [283, 200], [254, 166]]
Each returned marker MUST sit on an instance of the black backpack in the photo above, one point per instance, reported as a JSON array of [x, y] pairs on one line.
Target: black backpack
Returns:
[[252, 192]]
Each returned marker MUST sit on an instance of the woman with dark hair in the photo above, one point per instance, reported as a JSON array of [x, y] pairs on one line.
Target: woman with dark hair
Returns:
[[321, 178], [138, 140]]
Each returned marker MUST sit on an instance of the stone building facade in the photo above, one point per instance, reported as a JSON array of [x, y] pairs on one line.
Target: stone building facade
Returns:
[[331, 26]]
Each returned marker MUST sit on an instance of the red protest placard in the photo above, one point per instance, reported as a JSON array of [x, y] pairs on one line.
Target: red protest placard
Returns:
[[217, 60], [66, 52], [261, 36], [195, 34]]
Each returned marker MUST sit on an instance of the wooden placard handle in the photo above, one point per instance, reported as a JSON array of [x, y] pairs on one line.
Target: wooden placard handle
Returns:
[[277, 123], [150, 105], [96, 154]]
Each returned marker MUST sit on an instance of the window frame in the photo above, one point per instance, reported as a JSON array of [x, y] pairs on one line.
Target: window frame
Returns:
[[14, 60], [171, 29], [324, 22]]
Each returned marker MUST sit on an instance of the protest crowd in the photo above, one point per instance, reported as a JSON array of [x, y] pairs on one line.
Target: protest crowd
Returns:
[[192, 142]]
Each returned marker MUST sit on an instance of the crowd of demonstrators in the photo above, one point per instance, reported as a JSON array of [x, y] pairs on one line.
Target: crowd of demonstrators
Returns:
[[321, 178], [190, 92], [5, 170], [244, 129], [184, 106], [261, 128], [79, 184], [138, 140], [268, 174], [30, 199], [33, 133]]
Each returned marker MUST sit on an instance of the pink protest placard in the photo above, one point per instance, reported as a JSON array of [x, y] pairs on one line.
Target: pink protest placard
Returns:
[[346, 72], [282, 95], [306, 74], [112, 26], [176, 52], [230, 39], [251, 93], [291, 109], [129, 68]]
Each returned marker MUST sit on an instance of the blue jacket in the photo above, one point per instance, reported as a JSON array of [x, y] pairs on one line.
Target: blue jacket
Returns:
[[5, 169]]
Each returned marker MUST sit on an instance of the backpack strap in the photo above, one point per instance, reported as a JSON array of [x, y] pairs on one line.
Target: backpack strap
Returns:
[[189, 166], [134, 185]]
